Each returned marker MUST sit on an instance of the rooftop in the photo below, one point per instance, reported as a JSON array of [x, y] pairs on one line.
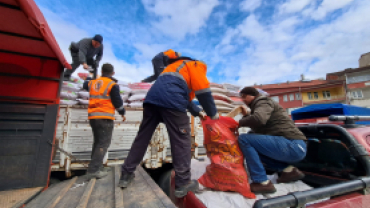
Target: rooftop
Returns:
[[304, 83]]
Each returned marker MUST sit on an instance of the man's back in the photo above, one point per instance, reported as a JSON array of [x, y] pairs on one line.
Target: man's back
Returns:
[[277, 121]]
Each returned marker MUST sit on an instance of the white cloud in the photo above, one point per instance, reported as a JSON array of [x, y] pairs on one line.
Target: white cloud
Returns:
[[292, 6], [285, 47], [181, 17], [328, 6], [66, 32], [250, 5]]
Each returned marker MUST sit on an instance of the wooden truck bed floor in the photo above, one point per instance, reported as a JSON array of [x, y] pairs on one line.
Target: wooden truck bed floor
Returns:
[[101, 193]]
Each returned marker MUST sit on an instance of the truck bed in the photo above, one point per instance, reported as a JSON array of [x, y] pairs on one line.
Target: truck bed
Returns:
[[103, 193]]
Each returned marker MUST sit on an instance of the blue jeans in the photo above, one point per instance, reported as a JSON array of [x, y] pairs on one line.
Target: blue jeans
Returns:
[[276, 152]]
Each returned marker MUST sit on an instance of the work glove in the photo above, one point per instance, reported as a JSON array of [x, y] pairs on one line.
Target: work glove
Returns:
[[202, 116], [215, 117]]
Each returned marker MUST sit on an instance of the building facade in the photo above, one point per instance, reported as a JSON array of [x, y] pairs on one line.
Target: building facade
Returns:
[[357, 84], [294, 95]]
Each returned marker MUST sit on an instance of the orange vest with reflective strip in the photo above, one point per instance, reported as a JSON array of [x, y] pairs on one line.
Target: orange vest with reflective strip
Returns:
[[194, 73], [171, 54], [100, 104]]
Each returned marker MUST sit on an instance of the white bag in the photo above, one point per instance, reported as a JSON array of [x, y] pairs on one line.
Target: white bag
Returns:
[[84, 95], [124, 90], [218, 96], [223, 108], [83, 102], [69, 86], [215, 85], [223, 104], [218, 90], [136, 105], [77, 80], [233, 94], [231, 87], [137, 97], [68, 95], [68, 102], [124, 97], [140, 91]]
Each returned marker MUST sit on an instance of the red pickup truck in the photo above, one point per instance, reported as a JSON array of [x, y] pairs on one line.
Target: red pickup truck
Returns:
[[337, 165]]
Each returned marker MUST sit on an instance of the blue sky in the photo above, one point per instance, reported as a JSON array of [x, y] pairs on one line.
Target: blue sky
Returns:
[[242, 42]]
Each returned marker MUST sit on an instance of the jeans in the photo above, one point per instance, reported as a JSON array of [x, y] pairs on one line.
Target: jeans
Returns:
[[276, 152], [102, 131]]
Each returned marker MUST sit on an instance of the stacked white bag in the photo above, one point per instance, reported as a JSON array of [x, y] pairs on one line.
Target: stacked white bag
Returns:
[[220, 95], [69, 93], [138, 94], [125, 92], [233, 93]]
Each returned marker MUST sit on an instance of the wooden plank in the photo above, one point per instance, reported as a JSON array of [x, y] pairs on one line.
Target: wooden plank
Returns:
[[16, 198], [74, 194], [42, 199], [61, 194], [118, 194], [234, 112], [86, 196], [156, 189], [142, 194], [102, 195]]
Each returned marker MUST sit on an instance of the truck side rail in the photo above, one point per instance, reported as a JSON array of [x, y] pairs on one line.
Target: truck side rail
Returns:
[[300, 199]]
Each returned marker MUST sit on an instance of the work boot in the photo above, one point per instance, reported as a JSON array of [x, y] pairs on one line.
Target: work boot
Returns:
[[193, 186], [126, 179], [98, 175], [259, 188], [287, 177]]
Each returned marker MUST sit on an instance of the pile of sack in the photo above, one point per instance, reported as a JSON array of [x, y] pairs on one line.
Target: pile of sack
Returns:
[[133, 95], [72, 92], [226, 96], [138, 94]]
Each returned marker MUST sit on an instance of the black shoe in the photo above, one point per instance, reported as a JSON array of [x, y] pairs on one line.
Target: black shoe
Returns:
[[126, 179], [183, 191], [67, 79]]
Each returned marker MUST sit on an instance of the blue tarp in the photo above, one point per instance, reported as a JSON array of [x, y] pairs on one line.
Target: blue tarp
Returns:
[[325, 110]]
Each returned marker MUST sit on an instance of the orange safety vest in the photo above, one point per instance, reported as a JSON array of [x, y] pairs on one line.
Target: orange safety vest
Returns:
[[171, 54], [100, 104], [194, 73]]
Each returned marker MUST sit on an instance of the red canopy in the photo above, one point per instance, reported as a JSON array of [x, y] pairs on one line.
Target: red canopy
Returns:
[[23, 29]]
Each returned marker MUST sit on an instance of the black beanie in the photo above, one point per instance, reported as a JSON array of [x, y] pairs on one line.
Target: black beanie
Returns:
[[98, 38]]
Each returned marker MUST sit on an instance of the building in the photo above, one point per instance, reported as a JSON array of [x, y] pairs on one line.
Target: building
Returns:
[[357, 83], [293, 95]]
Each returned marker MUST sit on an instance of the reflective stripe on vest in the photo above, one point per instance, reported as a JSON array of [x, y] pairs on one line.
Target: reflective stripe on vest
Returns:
[[105, 95], [177, 73], [100, 114]]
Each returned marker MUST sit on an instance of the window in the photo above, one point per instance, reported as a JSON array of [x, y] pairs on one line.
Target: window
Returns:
[[275, 98], [309, 94], [326, 94], [315, 95], [357, 94], [298, 96], [291, 97], [356, 79], [285, 98]]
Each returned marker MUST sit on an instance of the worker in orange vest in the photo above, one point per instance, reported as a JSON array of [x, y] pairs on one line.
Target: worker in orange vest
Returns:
[[167, 101], [160, 61], [104, 100]]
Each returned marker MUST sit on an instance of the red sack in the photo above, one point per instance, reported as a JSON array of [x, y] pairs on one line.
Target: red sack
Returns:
[[226, 171]]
